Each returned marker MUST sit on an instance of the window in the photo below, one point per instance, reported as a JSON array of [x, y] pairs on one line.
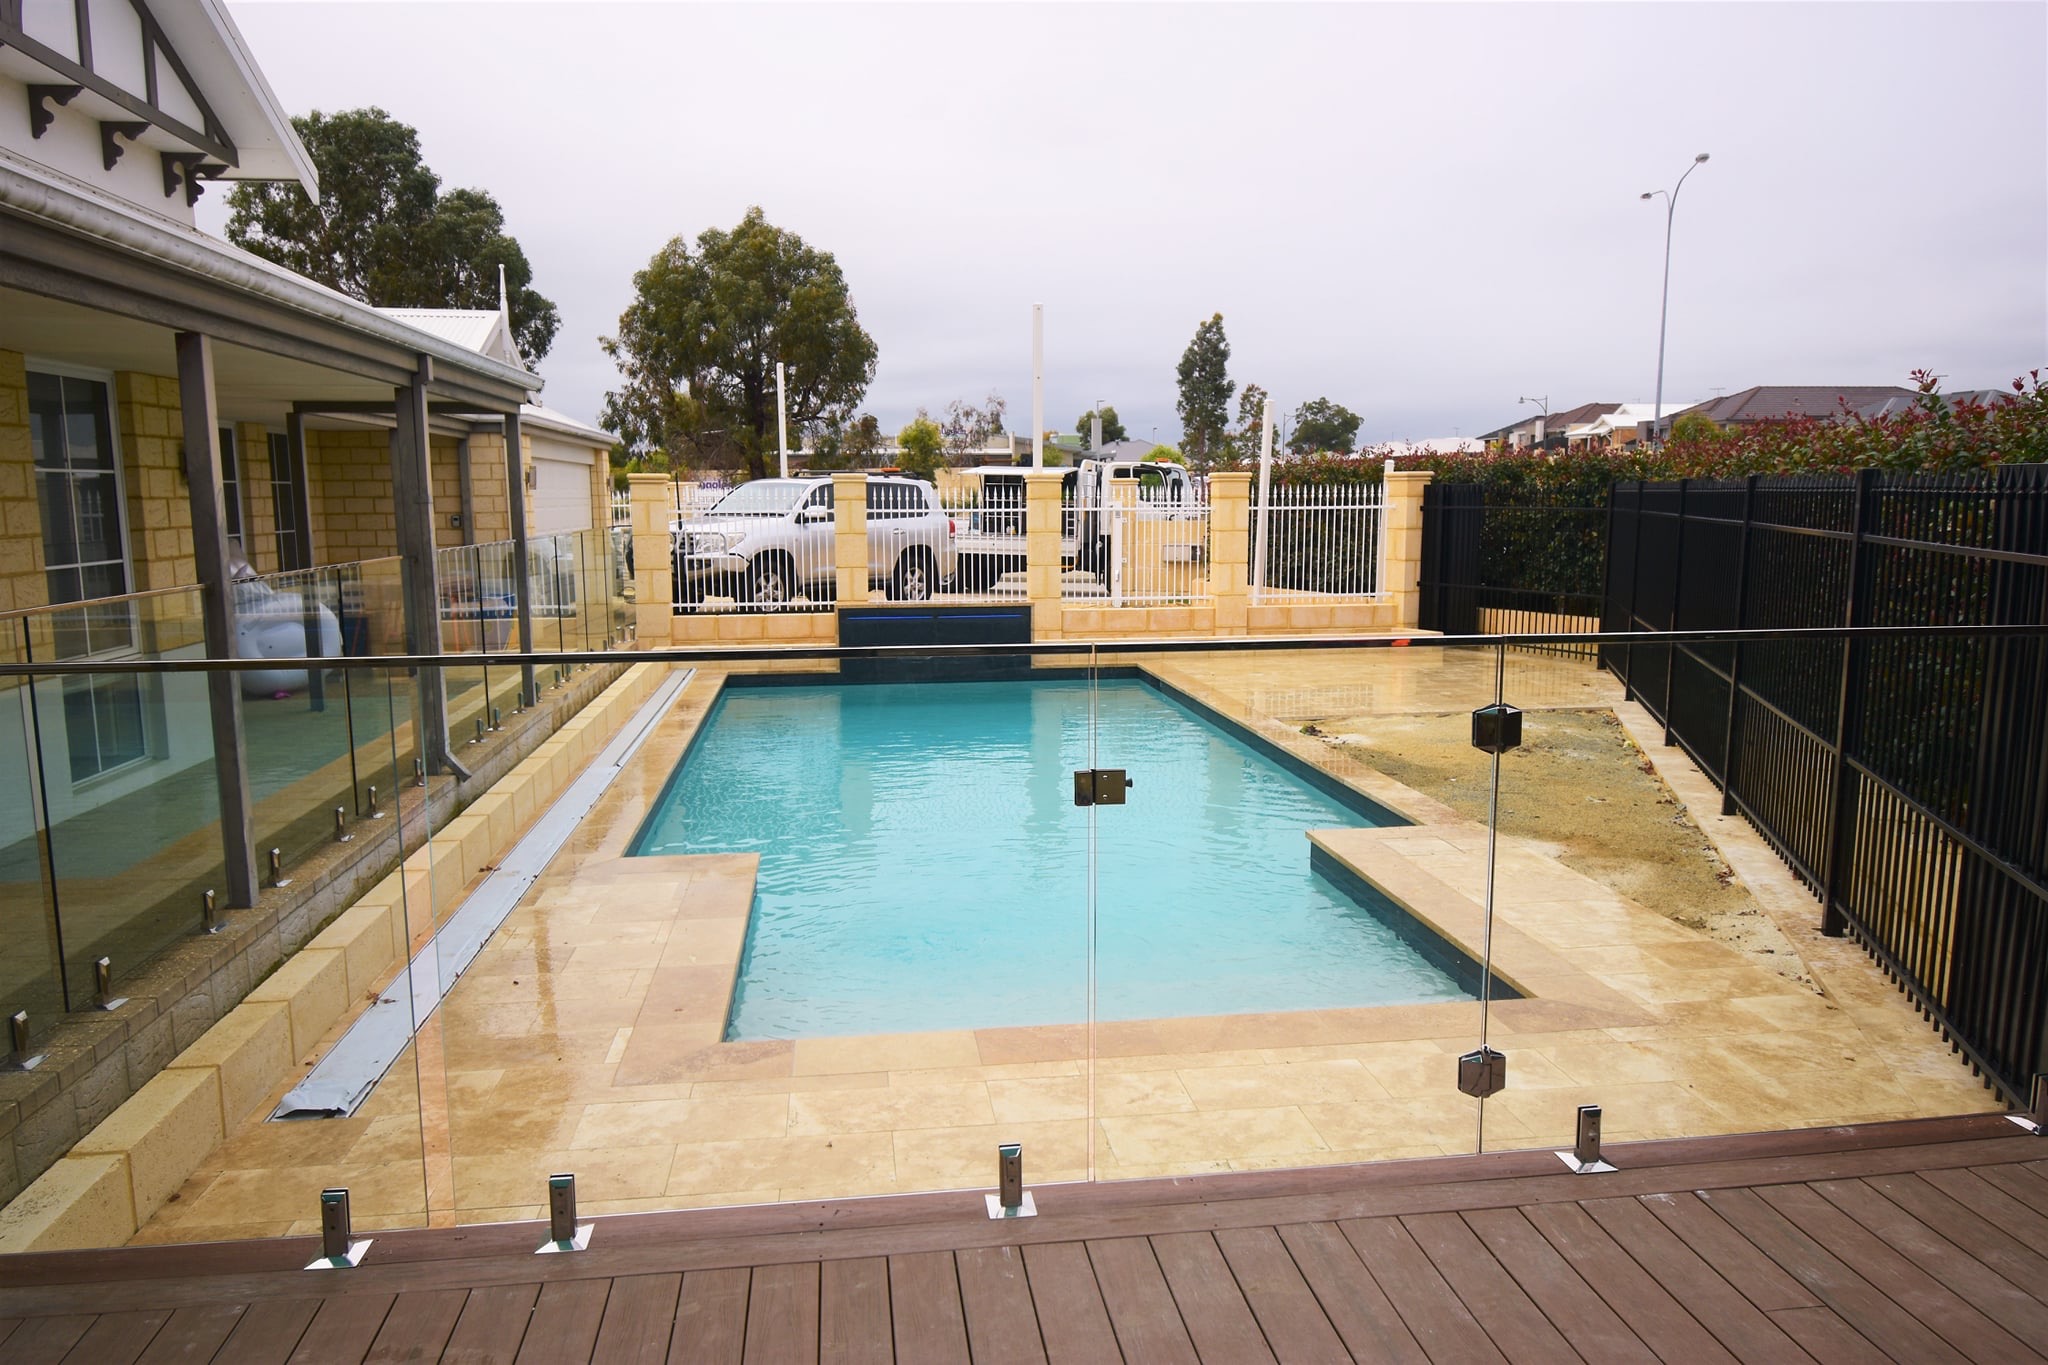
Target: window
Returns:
[[293, 549], [71, 444], [230, 487]]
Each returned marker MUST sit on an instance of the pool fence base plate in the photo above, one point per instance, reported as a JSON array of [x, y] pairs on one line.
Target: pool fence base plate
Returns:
[[1027, 1209], [2025, 1122], [580, 1242], [1578, 1167], [353, 1257]]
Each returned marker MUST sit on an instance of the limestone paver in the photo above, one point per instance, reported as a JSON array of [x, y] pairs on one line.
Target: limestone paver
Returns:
[[587, 1036]]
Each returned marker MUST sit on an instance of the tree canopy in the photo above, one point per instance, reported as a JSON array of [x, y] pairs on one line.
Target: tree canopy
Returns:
[[708, 325], [1112, 426], [968, 429], [384, 232], [1320, 425], [1205, 389], [922, 445], [1251, 418]]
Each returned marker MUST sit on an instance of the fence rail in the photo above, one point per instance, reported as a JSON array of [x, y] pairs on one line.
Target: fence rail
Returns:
[[1321, 541], [1902, 778]]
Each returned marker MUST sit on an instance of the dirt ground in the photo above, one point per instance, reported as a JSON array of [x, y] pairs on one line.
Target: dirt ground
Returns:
[[1579, 783]]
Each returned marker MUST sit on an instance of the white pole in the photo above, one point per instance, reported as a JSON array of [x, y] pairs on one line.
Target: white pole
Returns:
[[1038, 386], [782, 418], [1265, 496]]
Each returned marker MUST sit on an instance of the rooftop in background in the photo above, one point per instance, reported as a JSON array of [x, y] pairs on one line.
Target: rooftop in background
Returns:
[[1781, 402]]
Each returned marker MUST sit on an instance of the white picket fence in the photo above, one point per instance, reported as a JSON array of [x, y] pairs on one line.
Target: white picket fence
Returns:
[[1137, 553], [1318, 543]]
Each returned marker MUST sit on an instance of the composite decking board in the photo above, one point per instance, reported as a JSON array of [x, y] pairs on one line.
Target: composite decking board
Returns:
[[492, 1325], [1838, 1286], [1734, 1257], [1661, 1322], [639, 1318], [1141, 1307], [116, 1338], [1715, 1304], [192, 1335], [672, 1241], [1073, 1321], [1827, 1338], [782, 1314], [924, 1305], [416, 1328], [1989, 1138], [1295, 1325], [50, 1339], [565, 1322], [1443, 1327], [853, 1312], [2018, 1311], [1518, 1328], [2017, 1262], [711, 1318], [1212, 1304], [342, 1329], [1350, 1297], [268, 1332], [2022, 1184], [1580, 1315], [1915, 1290], [1990, 1203], [995, 1295]]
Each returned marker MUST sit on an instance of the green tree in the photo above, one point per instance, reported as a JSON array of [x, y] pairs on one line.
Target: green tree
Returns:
[[385, 233], [923, 447], [968, 429], [1694, 426], [1205, 390], [1112, 426], [708, 326], [1166, 453], [1251, 416], [1320, 425]]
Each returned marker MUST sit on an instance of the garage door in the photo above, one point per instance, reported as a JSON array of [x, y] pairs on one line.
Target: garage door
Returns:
[[561, 496]]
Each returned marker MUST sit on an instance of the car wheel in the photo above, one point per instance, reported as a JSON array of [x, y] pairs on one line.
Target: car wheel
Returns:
[[914, 578], [769, 583]]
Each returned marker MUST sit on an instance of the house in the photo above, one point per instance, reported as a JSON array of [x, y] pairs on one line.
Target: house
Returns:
[[1546, 429], [173, 409], [1783, 402], [1626, 424]]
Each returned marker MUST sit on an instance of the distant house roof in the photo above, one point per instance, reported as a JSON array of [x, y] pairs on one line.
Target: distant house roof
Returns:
[[1898, 403], [1124, 450], [1780, 402], [483, 330]]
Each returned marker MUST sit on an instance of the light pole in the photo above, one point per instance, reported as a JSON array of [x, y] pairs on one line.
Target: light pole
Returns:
[[1543, 421], [1664, 310]]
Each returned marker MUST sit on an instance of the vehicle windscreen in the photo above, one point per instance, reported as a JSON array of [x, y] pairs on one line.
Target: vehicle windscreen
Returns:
[[761, 498]]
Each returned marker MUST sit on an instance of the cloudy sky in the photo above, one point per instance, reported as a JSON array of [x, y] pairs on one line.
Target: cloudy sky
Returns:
[[1422, 211]]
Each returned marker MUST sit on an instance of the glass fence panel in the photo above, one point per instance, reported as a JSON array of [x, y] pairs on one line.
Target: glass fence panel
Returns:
[[1289, 915], [31, 961]]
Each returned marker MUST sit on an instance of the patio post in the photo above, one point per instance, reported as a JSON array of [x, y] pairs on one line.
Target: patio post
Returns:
[[462, 482], [522, 568], [201, 422], [1230, 520], [654, 564], [850, 538], [412, 497], [1403, 531]]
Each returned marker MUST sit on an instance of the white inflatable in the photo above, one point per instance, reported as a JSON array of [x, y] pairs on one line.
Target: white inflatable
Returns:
[[270, 624]]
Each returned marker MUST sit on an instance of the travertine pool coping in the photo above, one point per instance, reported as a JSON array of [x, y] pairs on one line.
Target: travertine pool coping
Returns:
[[586, 1038]]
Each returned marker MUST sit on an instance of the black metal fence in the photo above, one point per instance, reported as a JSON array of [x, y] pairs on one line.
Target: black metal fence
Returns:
[[1905, 780], [1491, 567]]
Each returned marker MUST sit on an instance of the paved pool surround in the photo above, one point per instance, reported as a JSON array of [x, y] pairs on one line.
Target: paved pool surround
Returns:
[[586, 1036]]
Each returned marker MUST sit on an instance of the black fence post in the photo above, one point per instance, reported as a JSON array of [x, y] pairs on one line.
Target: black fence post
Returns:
[[1671, 620], [1606, 578], [1635, 588], [1730, 750], [1842, 789]]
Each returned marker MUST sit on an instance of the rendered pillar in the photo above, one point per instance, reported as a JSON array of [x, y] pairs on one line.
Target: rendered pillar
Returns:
[[201, 421], [1230, 512], [654, 583], [850, 538], [1403, 550], [1042, 551]]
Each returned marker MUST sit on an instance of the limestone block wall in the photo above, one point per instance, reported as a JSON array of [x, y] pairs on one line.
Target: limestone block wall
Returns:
[[148, 421], [349, 478]]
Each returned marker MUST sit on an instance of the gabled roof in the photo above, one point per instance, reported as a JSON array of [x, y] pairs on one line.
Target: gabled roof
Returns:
[[483, 330], [220, 61], [1781, 402]]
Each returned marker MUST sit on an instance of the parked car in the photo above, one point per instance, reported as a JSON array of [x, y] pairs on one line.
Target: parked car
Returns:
[[771, 541]]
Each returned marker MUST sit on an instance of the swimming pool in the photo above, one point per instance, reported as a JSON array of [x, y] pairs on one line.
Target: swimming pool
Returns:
[[923, 865]]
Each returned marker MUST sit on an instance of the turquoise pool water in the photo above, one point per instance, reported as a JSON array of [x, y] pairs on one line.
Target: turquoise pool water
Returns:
[[923, 865]]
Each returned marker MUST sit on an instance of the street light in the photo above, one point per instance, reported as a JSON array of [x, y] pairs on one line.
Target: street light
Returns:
[[1543, 422], [1664, 312]]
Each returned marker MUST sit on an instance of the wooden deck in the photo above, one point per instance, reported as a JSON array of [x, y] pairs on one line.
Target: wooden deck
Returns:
[[1916, 1242]]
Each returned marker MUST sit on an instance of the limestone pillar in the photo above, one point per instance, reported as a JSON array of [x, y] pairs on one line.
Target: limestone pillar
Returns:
[[850, 537], [1230, 520], [1403, 558], [654, 584], [1042, 551]]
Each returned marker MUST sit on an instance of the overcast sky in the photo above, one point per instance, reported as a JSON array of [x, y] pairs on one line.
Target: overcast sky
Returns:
[[1423, 212]]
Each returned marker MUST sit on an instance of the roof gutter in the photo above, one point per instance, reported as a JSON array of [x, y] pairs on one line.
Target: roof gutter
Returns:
[[28, 190]]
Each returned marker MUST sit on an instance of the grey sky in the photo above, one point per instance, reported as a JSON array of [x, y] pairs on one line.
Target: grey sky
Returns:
[[1421, 211]]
